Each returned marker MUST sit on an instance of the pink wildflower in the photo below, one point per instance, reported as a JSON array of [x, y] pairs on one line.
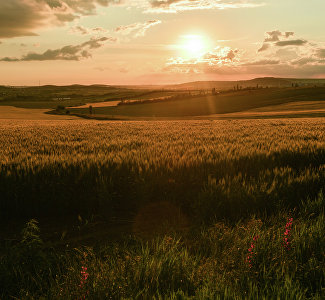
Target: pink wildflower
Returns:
[[83, 280], [286, 238], [250, 257]]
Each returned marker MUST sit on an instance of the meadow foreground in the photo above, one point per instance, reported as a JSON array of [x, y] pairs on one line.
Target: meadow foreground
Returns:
[[216, 209]]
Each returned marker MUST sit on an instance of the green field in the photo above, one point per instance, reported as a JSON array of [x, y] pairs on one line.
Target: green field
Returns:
[[162, 209], [222, 103], [52, 96]]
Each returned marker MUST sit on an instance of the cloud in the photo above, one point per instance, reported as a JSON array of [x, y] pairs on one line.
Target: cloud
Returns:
[[262, 62], [173, 6], [291, 43], [300, 59], [289, 33], [137, 29], [24, 17], [80, 30], [264, 47], [278, 38], [70, 52], [273, 36], [19, 18], [320, 53], [86, 31], [219, 58], [286, 54], [303, 61]]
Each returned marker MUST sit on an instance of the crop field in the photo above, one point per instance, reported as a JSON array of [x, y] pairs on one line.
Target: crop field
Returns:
[[229, 102], [51, 96], [220, 209], [80, 167]]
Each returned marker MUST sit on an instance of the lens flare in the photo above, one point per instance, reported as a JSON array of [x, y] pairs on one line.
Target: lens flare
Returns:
[[193, 46]]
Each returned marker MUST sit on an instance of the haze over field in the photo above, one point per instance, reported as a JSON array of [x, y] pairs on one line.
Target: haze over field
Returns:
[[157, 42]]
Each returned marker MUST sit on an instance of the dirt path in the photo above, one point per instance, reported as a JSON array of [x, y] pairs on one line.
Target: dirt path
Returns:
[[15, 113], [98, 104]]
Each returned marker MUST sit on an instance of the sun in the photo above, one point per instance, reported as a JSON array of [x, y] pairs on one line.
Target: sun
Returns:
[[193, 46]]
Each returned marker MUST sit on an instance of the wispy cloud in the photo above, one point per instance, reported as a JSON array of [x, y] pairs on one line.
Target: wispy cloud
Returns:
[[70, 52], [79, 29], [137, 29], [173, 6], [218, 58]]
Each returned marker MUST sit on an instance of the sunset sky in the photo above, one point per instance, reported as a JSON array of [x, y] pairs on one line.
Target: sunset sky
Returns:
[[159, 41]]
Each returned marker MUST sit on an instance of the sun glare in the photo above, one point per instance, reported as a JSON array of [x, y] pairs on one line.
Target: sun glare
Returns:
[[193, 46]]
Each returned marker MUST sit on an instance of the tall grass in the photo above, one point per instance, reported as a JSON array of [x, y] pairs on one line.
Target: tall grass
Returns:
[[209, 264], [219, 169]]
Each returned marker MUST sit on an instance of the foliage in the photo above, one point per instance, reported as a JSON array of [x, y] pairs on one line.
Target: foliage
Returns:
[[206, 264]]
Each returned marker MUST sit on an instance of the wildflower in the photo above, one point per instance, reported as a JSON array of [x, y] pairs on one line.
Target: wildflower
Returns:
[[251, 254], [286, 238], [83, 280], [255, 238]]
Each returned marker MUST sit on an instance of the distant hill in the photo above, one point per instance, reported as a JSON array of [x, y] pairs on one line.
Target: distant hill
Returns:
[[261, 82], [210, 104], [196, 85]]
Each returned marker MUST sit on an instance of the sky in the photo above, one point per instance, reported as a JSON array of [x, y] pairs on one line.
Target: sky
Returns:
[[159, 41]]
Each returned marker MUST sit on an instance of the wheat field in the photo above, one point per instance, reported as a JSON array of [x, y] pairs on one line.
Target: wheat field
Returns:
[[239, 202]]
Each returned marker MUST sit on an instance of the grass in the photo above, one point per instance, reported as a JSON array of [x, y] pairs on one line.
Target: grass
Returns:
[[52, 96], [196, 194], [208, 263], [208, 105]]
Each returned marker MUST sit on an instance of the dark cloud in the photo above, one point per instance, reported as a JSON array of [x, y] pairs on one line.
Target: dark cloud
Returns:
[[19, 18], [308, 61], [303, 61], [70, 52], [291, 43], [264, 47], [276, 35], [320, 53], [273, 36], [288, 34], [24, 17], [280, 39]]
